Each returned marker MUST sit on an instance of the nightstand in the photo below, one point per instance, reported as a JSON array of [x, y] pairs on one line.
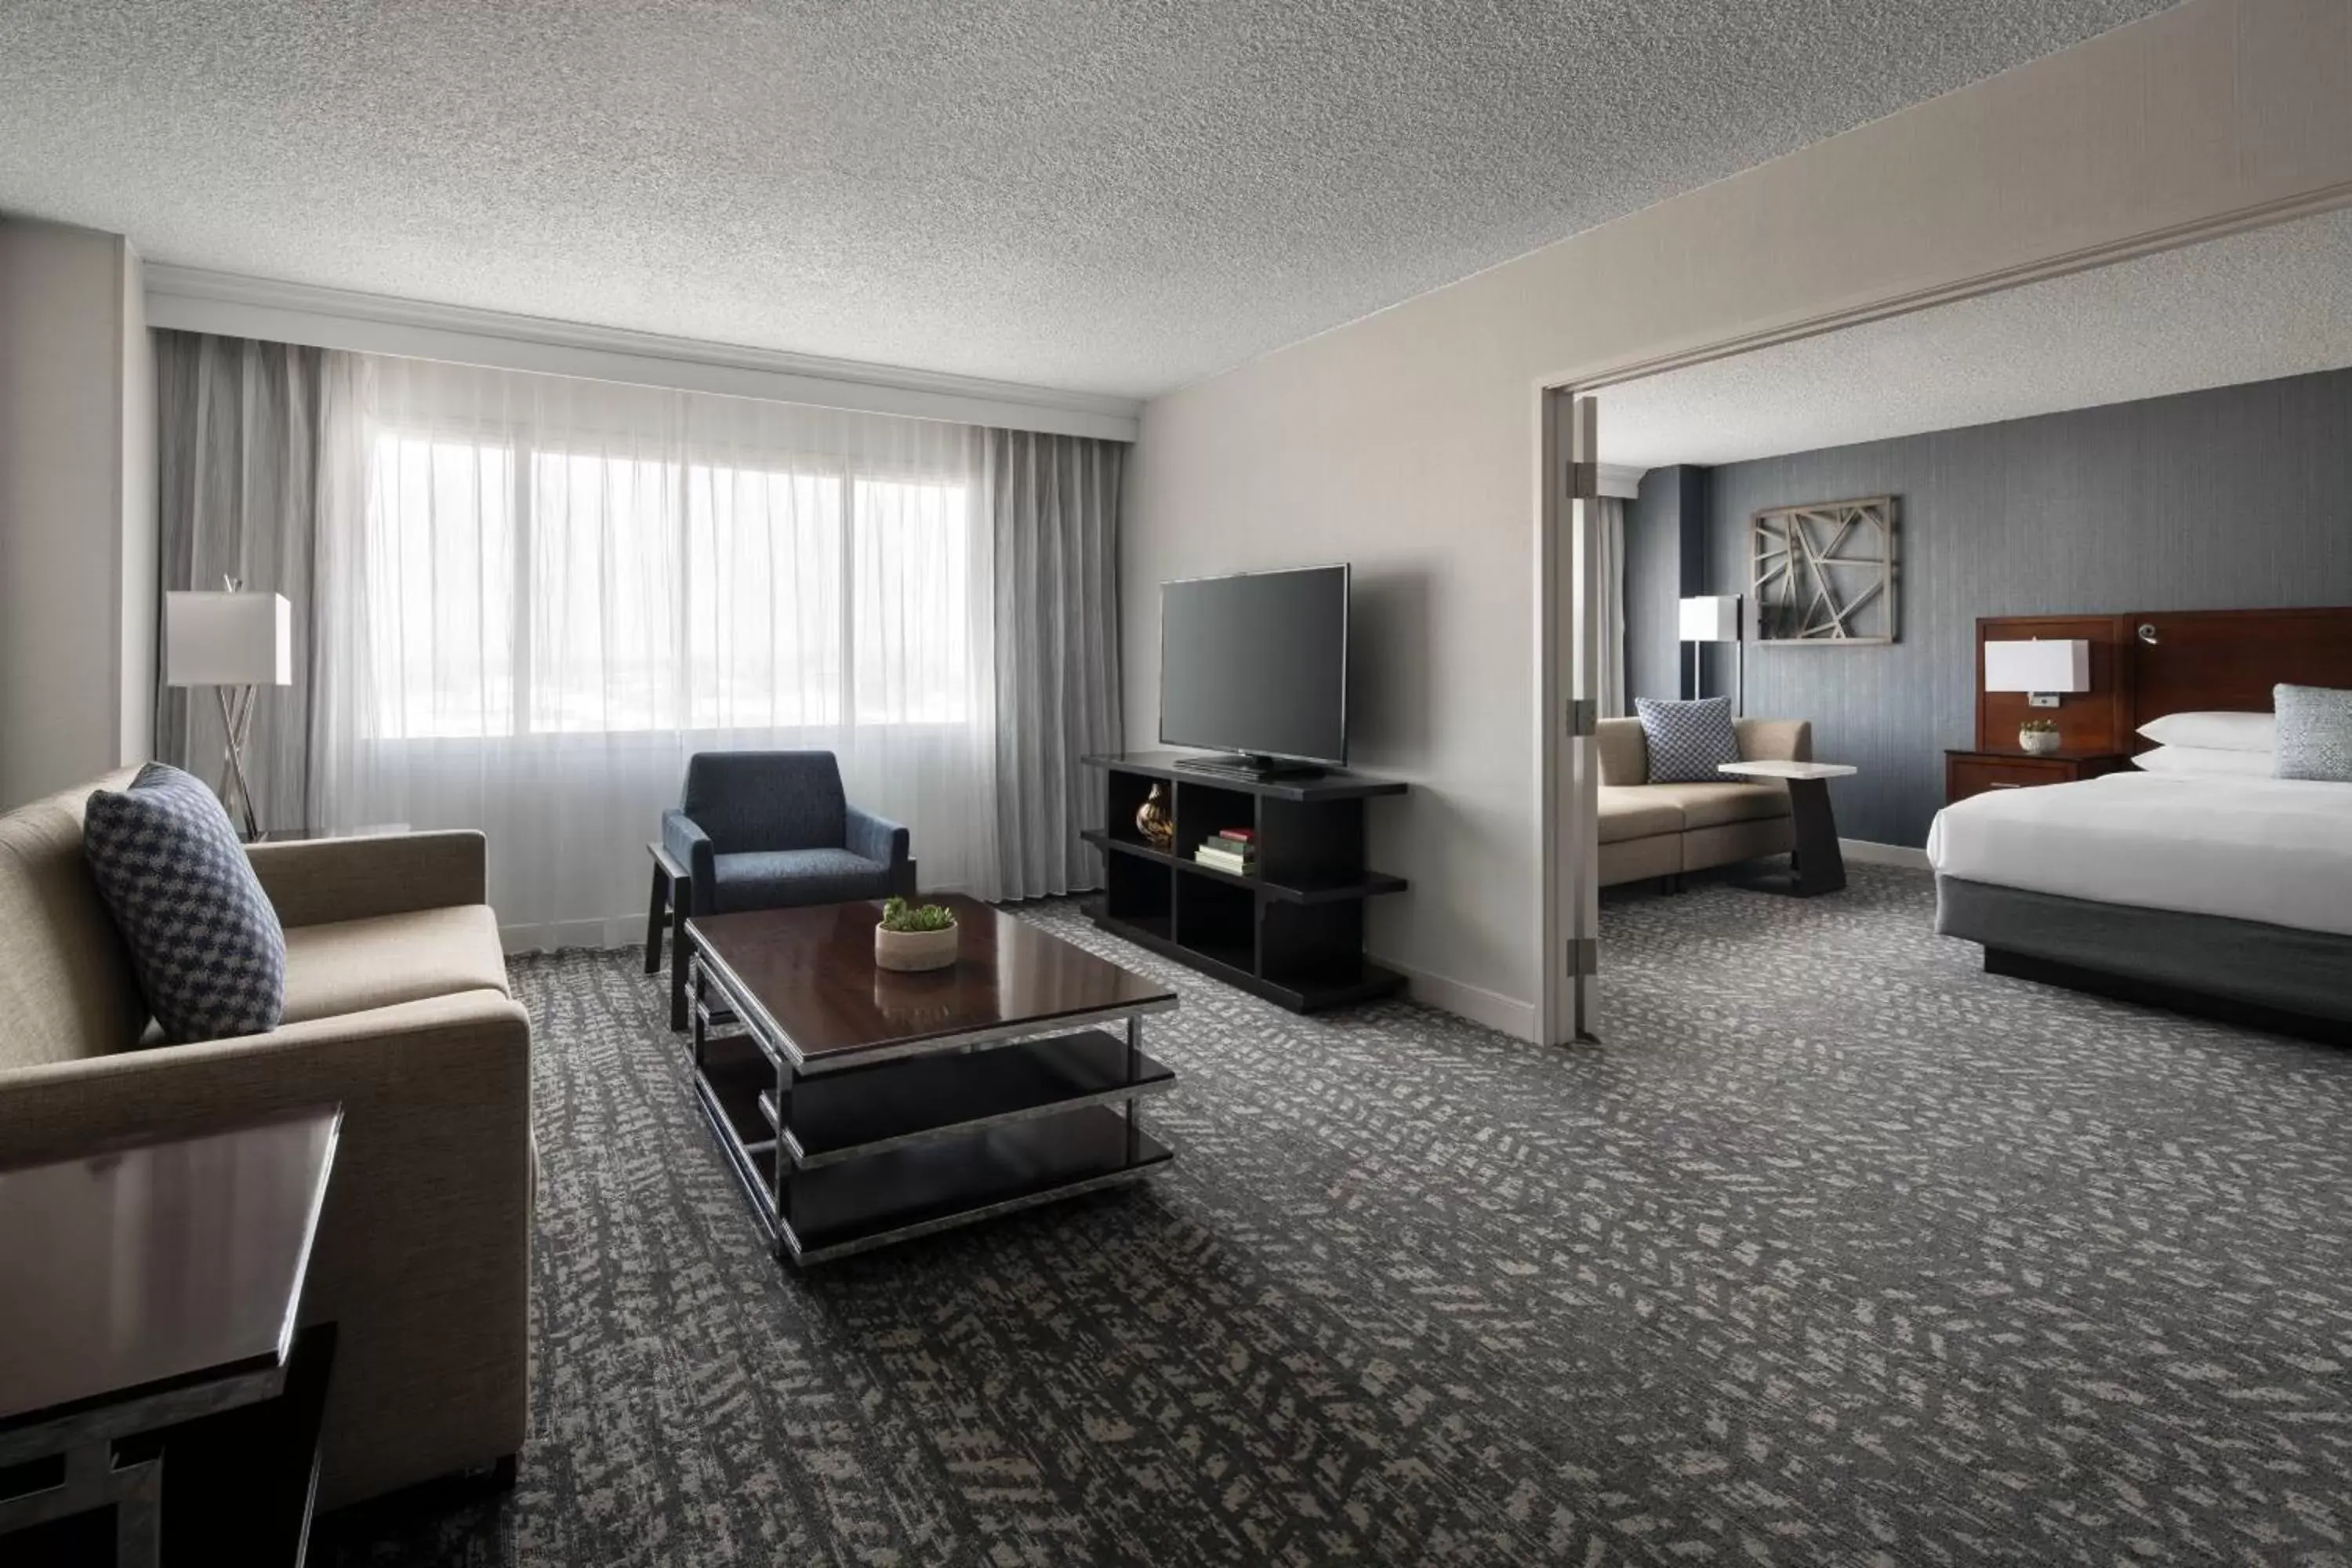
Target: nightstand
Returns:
[[1968, 773]]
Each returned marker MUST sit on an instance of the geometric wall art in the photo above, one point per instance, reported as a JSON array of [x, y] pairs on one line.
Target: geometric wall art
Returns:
[[1824, 575]]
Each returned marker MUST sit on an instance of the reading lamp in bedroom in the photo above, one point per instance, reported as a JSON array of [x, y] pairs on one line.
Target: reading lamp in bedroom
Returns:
[[231, 641]]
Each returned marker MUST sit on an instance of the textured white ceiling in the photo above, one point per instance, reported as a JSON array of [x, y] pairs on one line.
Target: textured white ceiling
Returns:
[[2251, 307], [1111, 197]]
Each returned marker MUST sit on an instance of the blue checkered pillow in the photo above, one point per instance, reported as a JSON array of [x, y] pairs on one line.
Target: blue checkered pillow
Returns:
[[203, 938], [1687, 740]]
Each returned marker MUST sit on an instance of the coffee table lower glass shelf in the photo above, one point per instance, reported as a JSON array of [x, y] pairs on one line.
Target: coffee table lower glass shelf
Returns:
[[838, 1159]]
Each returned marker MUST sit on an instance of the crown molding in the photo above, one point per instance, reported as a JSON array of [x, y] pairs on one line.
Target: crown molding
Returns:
[[196, 299]]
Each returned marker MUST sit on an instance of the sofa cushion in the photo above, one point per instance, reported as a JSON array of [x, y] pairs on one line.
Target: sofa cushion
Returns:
[[66, 991], [1639, 812], [349, 967], [1713, 805], [780, 878], [1687, 740], [1624, 755], [204, 939]]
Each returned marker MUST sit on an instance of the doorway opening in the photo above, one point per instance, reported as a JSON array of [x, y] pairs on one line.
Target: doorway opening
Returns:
[[1806, 449]]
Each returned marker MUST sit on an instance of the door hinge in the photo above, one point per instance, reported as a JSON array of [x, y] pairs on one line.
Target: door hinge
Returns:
[[1583, 717], [1584, 481], [1584, 955]]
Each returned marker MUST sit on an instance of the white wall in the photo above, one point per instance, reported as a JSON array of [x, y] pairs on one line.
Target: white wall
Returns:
[[1405, 442], [78, 561], [139, 553]]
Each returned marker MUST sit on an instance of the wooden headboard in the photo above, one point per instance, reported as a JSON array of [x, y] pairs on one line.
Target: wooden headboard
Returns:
[[2227, 660], [2145, 664]]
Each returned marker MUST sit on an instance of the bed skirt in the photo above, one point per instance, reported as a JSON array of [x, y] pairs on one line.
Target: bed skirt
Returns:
[[2267, 977]]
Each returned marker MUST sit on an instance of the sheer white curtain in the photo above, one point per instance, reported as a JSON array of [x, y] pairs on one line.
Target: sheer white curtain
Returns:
[[538, 595]]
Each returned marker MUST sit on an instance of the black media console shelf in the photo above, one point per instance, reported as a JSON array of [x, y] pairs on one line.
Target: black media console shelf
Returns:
[[1293, 932]]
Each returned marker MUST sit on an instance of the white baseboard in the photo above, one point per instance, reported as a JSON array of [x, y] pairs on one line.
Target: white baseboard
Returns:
[[1864, 852], [604, 935], [1475, 1003]]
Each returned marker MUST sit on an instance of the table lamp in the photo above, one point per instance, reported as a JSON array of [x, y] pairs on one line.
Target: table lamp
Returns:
[[1714, 617], [231, 641], [2044, 669]]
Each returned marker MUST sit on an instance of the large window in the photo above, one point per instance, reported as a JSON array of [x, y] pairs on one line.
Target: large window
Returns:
[[519, 589], [441, 599]]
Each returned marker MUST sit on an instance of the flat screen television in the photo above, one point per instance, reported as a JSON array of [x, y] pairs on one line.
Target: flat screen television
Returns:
[[1256, 665]]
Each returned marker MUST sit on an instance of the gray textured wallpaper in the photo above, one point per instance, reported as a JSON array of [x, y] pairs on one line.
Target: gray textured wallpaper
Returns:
[[2240, 498]]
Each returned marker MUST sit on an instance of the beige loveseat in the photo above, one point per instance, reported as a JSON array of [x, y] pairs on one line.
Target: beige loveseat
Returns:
[[1666, 829], [396, 1008]]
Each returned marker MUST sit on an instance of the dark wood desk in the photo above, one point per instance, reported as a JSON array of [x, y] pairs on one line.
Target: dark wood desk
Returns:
[[156, 1402], [860, 1106]]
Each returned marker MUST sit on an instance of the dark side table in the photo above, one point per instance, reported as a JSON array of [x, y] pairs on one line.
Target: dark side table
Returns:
[[157, 1403], [1817, 865]]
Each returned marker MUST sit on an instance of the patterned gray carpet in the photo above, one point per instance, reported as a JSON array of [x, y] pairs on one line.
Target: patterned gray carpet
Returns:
[[1835, 1251]]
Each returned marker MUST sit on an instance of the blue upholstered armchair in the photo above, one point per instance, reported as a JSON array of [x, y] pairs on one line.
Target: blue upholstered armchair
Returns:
[[762, 830]]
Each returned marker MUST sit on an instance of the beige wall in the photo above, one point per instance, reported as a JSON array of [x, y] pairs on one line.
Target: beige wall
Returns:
[[78, 561], [1405, 442]]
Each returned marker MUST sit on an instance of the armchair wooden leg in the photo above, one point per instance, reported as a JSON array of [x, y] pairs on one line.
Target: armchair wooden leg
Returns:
[[681, 899], [653, 921]]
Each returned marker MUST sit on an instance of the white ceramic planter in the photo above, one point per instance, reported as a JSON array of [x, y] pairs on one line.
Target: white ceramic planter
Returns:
[[908, 951], [2041, 742]]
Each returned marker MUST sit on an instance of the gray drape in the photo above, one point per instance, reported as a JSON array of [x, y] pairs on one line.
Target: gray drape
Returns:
[[1611, 539], [238, 425], [1054, 515]]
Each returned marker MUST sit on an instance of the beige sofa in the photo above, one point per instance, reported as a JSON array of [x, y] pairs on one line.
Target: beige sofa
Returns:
[[396, 1008], [1666, 829]]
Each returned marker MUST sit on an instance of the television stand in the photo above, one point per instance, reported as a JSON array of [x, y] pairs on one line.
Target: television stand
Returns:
[[1291, 929], [1246, 765]]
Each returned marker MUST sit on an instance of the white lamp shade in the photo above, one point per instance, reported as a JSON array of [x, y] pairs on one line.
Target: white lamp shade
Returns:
[[1714, 617], [228, 639], [2052, 664]]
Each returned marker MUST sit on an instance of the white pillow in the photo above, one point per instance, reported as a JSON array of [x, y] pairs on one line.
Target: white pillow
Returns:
[[2211, 761], [2215, 731]]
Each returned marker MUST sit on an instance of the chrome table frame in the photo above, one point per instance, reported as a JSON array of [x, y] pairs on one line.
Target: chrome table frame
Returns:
[[771, 1153]]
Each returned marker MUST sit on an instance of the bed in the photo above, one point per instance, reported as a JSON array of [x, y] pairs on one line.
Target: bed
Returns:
[[2224, 895]]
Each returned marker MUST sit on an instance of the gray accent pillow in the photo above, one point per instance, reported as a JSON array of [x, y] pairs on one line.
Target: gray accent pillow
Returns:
[[204, 939], [1687, 740], [2314, 732]]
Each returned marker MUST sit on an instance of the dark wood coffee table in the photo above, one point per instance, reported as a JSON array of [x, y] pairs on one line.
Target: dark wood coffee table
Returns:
[[859, 1107]]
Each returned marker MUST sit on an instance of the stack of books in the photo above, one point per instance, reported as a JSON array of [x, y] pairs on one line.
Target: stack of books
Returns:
[[1234, 851]]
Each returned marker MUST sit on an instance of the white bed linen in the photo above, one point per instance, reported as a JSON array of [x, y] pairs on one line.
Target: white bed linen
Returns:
[[2275, 851]]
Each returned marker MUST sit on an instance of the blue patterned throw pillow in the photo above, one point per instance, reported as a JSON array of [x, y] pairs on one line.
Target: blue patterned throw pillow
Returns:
[[2314, 732], [1689, 739], [203, 938]]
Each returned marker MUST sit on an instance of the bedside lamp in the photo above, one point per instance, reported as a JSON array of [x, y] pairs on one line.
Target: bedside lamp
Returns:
[[1714, 617], [232, 642], [2046, 669]]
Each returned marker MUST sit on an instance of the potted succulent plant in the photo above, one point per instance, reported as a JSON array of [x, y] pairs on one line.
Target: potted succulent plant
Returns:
[[911, 938], [2039, 736]]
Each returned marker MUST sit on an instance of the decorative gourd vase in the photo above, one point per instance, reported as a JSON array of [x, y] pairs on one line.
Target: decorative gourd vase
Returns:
[[1151, 820], [908, 951], [2038, 742]]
